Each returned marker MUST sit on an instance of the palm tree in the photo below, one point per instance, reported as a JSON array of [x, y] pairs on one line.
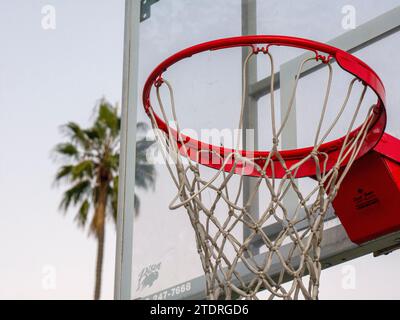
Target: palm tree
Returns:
[[90, 169]]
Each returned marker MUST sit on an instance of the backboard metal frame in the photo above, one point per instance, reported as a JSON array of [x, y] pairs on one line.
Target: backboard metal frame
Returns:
[[126, 187]]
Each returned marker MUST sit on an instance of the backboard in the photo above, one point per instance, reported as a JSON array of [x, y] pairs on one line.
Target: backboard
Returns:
[[157, 256]]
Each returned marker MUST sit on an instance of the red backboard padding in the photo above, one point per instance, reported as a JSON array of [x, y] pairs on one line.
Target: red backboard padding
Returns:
[[368, 202]]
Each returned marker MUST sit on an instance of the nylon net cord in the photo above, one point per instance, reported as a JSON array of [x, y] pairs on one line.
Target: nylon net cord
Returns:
[[295, 250]]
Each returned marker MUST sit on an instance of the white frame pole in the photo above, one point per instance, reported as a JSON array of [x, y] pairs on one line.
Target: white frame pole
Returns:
[[250, 117], [126, 211]]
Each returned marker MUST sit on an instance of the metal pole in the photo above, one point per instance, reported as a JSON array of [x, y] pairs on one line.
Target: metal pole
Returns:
[[250, 119], [289, 133], [124, 250]]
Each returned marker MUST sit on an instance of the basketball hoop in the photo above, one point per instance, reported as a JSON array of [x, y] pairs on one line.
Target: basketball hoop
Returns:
[[326, 162]]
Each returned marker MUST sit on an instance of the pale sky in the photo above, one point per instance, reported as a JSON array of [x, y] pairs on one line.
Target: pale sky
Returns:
[[50, 77]]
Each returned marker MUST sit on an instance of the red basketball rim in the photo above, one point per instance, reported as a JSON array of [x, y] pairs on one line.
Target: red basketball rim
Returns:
[[345, 60]]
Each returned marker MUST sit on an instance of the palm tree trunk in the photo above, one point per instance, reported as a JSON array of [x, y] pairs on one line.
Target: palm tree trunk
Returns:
[[99, 265], [100, 233]]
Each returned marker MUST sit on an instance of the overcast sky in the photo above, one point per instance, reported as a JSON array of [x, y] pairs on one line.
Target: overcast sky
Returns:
[[49, 77]]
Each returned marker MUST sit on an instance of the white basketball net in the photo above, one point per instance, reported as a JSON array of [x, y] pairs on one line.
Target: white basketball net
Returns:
[[296, 248]]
